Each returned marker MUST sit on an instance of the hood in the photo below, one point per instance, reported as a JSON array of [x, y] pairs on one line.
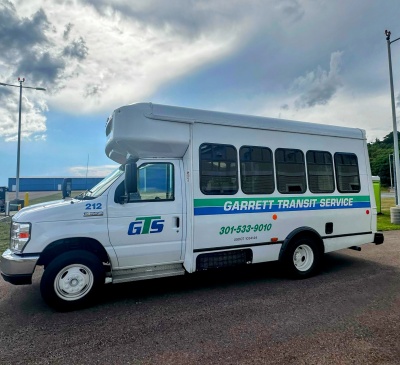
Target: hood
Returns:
[[52, 211]]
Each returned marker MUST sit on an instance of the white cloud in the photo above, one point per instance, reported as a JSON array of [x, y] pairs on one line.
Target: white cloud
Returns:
[[120, 55], [95, 55], [33, 121], [371, 113], [93, 61], [319, 86]]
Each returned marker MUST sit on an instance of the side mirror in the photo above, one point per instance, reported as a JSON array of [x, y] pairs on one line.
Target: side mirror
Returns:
[[131, 181], [66, 188], [130, 178]]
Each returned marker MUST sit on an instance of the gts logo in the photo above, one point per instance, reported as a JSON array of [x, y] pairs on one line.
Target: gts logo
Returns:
[[145, 225]]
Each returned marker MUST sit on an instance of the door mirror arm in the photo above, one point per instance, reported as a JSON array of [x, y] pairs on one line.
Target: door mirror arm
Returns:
[[123, 199], [130, 182]]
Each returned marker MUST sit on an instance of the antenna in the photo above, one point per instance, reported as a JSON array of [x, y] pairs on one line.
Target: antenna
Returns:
[[87, 169]]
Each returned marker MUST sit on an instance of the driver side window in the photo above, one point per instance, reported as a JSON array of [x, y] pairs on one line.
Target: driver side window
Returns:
[[155, 182]]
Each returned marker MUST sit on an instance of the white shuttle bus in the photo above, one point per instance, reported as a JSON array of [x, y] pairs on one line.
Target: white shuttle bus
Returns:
[[199, 190]]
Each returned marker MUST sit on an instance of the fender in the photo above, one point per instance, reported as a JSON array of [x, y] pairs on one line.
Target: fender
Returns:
[[68, 244], [298, 232]]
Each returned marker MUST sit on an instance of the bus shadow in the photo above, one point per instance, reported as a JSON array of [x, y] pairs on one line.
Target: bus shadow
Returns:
[[272, 275]]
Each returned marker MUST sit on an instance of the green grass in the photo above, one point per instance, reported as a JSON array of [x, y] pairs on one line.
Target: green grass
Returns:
[[383, 219], [4, 234]]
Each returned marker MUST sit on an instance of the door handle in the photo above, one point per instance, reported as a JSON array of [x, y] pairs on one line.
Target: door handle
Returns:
[[177, 222]]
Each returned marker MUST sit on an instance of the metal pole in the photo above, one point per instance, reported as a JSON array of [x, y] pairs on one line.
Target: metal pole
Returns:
[[20, 80], [395, 136], [390, 172], [19, 138], [395, 180]]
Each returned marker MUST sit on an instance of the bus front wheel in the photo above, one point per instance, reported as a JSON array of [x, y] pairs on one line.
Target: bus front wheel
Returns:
[[71, 280]]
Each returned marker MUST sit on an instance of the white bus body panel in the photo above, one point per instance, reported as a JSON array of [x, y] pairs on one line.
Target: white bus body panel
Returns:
[[346, 220], [157, 131], [162, 237], [194, 222]]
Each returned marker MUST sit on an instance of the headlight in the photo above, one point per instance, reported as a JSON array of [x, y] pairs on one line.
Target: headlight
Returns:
[[20, 235]]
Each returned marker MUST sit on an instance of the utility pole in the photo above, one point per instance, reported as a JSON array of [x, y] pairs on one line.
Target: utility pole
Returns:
[[20, 80]]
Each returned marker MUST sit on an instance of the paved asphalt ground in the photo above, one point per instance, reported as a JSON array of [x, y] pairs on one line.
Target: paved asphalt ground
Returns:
[[349, 314]]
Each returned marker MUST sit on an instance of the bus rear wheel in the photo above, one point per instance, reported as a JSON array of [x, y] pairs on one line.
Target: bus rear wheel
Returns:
[[302, 258]]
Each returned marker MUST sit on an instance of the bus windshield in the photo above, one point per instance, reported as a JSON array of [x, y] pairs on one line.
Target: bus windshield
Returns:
[[102, 186]]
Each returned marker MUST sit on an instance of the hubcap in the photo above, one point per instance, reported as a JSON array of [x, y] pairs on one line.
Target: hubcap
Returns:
[[303, 258], [73, 282]]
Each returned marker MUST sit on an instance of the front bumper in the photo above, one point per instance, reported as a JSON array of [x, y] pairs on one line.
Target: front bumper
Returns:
[[17, 269]]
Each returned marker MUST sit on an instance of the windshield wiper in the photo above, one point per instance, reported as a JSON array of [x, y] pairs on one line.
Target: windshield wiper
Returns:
[[85, 195]]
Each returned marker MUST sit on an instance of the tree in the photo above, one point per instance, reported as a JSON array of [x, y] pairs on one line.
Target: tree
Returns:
[[379, 152]]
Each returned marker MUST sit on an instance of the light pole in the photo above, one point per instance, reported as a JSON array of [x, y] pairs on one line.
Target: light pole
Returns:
[[395, 137], [394, 211], [390, 170], [20, 80]]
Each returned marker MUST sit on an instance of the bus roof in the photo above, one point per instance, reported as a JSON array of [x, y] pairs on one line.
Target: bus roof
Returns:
[[145, 130], [189, 115]]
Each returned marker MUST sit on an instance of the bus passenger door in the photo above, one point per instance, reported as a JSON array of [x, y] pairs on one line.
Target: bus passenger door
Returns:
[[147, 230]]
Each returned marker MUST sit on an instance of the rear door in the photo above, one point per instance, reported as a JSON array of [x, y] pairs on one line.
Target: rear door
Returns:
[[148, 229]]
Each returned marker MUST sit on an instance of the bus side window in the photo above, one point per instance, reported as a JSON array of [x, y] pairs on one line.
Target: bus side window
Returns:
[[218, 169], [256, 170], [320, 172], [347, 173], [290, 171]]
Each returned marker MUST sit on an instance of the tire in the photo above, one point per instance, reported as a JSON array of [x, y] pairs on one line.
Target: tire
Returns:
[[72, 280], [302, 258]]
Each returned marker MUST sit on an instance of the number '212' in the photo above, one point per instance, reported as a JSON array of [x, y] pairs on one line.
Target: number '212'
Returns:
[[93, 206]]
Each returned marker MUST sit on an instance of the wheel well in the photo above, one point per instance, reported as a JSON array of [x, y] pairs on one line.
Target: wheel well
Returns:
[[68, 244], [301, 233]]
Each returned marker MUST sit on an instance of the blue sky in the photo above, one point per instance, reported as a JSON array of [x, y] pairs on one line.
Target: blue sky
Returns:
[[311, 60]]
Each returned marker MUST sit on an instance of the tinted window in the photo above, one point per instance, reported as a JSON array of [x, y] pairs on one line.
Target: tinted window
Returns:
[[218, 169], [347, 173], [256, 170], [320, 172], [290, 171]]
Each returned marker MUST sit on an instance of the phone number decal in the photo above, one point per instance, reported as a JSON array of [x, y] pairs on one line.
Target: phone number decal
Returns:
[[245, 229]]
